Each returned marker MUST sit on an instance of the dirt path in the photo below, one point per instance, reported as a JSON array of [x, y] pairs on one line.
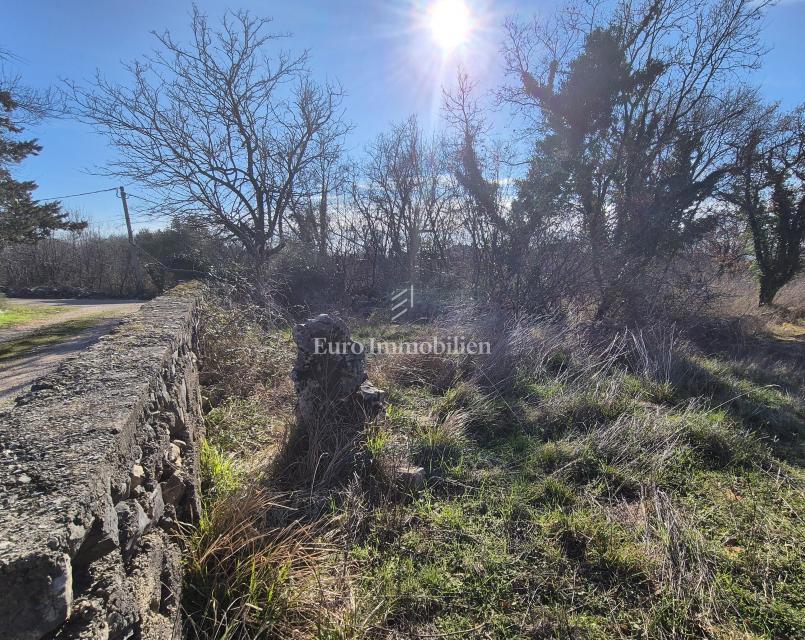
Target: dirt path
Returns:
[[17, 373], [68, 309]]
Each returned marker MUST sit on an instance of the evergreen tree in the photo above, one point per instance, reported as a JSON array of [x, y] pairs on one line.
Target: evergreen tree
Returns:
[[768, 191], [635, 117], [22, 219]]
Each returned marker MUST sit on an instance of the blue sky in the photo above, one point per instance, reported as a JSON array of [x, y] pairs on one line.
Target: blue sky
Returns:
[[380, 51]]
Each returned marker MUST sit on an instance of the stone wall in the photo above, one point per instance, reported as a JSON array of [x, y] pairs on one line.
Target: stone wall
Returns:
[[98, 462]]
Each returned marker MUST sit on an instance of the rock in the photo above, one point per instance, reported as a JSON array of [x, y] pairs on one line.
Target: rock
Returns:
[[48, 579], [84, 545], [173, 489], [173, 455], [410, 478], [136, 477], [155, 504], [132, 523], [329, 374], [372, 398], [156, 577], [102, 534]]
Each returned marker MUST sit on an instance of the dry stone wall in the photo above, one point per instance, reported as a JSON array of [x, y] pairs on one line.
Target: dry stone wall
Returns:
[[98, 463]]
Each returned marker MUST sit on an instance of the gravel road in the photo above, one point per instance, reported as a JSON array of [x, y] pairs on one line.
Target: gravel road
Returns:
[[17, 374]]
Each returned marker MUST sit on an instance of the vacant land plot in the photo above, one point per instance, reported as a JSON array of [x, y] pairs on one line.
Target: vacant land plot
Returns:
[[641, 486]]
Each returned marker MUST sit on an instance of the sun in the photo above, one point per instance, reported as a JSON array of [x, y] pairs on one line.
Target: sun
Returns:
[[450, 23]]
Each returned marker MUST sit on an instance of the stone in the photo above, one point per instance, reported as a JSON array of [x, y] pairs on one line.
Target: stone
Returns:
[[102, 533], [372, 398], [410, 478], [136, 477], [329, 374], [132, 523], [173, 455], [155, 504], [80, 460], [156, 577], [173, 489], [47, 581]]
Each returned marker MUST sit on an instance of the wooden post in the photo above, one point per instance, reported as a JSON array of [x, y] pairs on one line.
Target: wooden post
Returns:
[[134, 259], [126, 214]]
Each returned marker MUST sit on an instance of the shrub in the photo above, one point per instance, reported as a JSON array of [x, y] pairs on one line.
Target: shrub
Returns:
[[241, 346]]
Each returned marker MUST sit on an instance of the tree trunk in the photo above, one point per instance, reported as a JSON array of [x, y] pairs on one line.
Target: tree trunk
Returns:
[[768, 289], [323, 221], [413, 254]]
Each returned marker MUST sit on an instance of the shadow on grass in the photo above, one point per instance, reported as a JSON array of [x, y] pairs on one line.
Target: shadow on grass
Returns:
[[51, 335], [759, 382]]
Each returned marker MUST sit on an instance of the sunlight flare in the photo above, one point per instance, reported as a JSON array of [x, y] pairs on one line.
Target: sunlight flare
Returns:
[[450, 23]]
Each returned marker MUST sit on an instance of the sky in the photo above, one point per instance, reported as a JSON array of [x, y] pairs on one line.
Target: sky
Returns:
[[383, 53]]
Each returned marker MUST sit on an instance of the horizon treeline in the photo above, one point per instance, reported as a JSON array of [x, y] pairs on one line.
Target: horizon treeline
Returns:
[[646, 166]]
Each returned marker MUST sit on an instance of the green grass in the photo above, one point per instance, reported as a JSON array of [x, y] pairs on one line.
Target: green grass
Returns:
[[220, 478], [19, 314], [50, 335], [609, 508], [240, 425], [592, 512]]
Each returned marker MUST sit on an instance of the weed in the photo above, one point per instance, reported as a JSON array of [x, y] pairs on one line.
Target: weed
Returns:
[[479, 414], [441, 443], [245, 579], [575, 491]]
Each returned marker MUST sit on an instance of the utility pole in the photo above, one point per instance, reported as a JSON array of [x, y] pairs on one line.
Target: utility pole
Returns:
[[134, 261], [126, 214]]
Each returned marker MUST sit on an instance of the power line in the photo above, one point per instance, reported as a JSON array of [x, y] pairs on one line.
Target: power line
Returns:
[[134, 195], [76, 195]]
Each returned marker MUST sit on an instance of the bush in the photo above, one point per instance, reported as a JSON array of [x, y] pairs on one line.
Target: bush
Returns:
[[241, 345]]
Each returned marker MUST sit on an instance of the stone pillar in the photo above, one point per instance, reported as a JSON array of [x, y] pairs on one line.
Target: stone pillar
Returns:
[[330, 375]]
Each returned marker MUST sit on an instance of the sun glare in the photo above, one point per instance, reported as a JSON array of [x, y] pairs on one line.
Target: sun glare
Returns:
[[450, 23]]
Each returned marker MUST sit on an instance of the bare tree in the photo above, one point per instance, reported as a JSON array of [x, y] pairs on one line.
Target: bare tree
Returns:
[[404, 191], [220, 129], [31, 105], [311, 209]]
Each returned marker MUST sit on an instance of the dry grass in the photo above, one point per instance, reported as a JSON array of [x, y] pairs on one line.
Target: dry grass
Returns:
[[248, 577], [262, 565], [586, 481], [319, 455], [640, 445], [738, 297], [431, 371], [243, 348], [680, 565]]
